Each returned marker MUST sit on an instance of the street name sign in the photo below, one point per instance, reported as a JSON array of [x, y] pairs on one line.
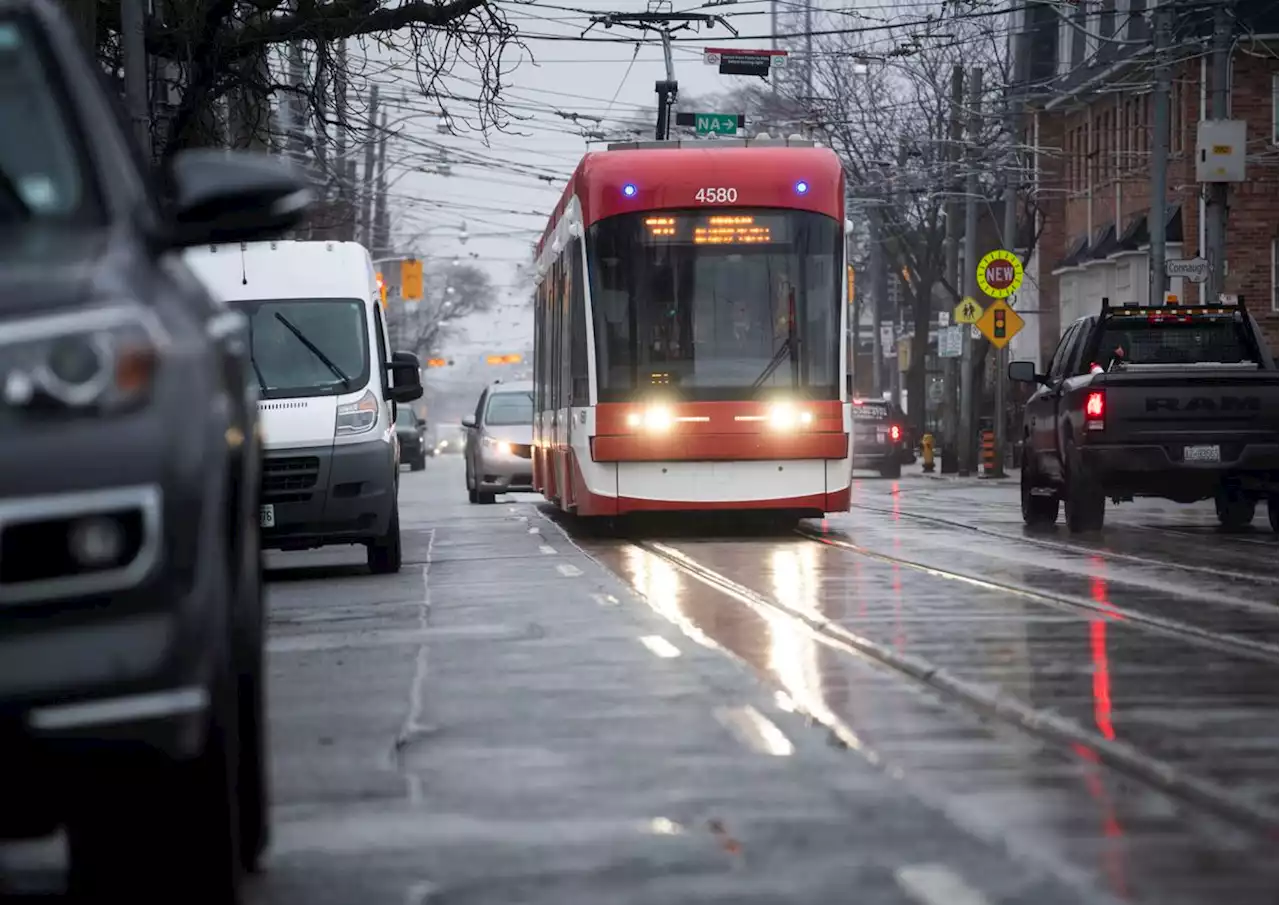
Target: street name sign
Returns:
[[1194, 269]]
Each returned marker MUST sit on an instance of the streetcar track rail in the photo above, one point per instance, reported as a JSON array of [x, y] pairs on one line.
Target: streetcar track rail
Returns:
[[989, 701], [1233, 644], [1049, 544]]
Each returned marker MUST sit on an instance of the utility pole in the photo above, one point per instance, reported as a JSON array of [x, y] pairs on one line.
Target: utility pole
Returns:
[[951, 410], [1219, 192], [381, 216], [1156, 226], [879, 289], [133, 23], [808, 53], [668, 91], [966, 447], [370, 149], [1009, 238], [346, 226]]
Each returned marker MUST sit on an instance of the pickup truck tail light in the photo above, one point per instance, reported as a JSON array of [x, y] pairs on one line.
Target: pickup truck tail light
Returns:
[[1095, 410], [895, 433]]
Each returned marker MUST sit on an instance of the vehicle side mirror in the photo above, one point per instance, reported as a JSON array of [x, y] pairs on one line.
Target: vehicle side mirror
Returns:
[[222, 196], [468, 421], [1024, 372], [406, 377]]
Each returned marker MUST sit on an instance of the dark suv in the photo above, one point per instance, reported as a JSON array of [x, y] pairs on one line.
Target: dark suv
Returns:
[[879, 437], [131, 615]]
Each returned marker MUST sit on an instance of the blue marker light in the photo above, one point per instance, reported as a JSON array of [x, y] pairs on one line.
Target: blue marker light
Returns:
[[629, 190], [802, 187]]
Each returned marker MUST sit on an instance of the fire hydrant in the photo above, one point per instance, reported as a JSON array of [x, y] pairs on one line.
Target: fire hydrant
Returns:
[[926, 451]]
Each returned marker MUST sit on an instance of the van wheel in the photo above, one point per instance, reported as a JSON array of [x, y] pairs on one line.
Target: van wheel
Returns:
[[1235, 511], [419, 463], [145, 829], [384, 553]]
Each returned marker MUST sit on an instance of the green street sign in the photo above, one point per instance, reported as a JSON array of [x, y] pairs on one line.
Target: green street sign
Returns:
[[716, 123]]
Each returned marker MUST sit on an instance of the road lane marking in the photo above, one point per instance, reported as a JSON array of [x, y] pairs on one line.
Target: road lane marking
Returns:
[[660, 646], [547, 549], [937, 884], [568, 570], [755, 730], [421, 892], [605, 599], [413, 726]]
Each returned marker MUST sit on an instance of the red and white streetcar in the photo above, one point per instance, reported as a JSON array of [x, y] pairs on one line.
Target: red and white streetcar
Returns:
[[690, 314]]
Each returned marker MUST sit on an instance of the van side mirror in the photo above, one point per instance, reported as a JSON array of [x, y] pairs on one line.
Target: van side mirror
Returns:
[[1024, 372], [406, 377], [468, 421]]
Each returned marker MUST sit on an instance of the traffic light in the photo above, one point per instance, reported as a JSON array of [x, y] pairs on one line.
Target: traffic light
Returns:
[[436, 362], [513, 359], [997, 323], [411, 280]]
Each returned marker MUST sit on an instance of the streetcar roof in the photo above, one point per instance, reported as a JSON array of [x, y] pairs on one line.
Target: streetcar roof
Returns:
[[656, 178]]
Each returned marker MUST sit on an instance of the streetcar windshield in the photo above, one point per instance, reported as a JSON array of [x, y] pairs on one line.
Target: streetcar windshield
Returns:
[[716, 305]]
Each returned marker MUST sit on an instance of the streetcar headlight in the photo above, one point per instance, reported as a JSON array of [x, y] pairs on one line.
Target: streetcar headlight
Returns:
[[786, 417], [655, 418]]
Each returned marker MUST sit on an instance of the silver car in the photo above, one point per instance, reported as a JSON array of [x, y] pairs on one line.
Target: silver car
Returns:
[[499, 442]]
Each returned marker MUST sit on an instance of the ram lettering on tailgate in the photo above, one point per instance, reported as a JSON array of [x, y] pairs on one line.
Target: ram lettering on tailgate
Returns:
[[1204, 404]]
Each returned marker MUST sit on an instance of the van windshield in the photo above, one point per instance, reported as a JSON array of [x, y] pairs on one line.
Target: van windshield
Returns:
[[308, 347]]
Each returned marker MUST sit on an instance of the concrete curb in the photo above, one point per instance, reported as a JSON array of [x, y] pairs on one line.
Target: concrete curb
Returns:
[[1045, 724]]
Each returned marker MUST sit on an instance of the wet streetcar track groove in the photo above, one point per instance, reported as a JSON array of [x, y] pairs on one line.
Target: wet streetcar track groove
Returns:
[[1045, 725], [1232, 644], [1083, 550]]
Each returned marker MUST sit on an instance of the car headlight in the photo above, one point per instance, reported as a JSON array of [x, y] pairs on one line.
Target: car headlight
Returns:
[[501, 447], [104, 359], [357, 417]]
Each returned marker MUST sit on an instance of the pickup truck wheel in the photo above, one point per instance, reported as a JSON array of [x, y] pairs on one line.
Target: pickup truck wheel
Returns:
[[1234, 511], [891, 469], [384, 553], [145, 829], [419, 463], [1037, 511], [253, 771], [1271, 511], [1085, 503]]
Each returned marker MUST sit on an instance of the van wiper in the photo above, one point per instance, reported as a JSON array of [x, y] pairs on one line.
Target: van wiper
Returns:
[[328, 362], [253, 360]]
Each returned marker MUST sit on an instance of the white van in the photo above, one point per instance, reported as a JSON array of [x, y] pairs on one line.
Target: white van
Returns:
[[327, 389]]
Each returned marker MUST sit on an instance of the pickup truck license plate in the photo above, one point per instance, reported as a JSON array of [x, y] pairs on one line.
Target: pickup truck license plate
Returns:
[[1201, 454], [267, 516]]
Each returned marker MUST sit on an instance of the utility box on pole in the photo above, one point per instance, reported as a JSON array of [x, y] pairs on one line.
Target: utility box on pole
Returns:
[[1220, 150]]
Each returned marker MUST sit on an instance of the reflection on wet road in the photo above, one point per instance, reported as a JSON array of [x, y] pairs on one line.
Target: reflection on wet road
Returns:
[[1106, 705]]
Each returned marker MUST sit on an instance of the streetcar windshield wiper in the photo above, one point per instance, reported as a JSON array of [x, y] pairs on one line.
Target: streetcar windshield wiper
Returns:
[[328, 362], [783, 353]]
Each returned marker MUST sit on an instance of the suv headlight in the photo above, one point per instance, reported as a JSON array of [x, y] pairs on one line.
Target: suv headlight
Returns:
[[104, 359], [357, 417]]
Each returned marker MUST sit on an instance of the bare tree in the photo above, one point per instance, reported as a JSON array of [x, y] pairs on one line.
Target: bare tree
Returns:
[[450, 292]]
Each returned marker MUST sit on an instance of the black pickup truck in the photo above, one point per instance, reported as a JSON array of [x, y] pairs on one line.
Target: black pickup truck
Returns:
[[1176, 402]]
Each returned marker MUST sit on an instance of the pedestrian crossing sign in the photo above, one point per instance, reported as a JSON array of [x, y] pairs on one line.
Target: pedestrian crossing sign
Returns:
[[967, 312]]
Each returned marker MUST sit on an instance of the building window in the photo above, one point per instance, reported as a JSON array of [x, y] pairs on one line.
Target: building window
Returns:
[[1064, 43]]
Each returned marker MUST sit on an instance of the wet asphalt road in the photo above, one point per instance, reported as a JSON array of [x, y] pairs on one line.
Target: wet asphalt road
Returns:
[[916, 702]]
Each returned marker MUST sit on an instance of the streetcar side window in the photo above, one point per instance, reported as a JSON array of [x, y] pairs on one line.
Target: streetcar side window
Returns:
[[539, 347], [579, 386]]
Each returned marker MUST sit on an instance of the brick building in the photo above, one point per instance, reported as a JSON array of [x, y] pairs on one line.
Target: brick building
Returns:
[[1088, 79]]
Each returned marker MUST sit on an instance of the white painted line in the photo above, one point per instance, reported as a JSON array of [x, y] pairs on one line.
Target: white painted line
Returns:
[[535, 530], [547, 549], [660, 647], [605, 599], [413, 717], [937, 884], [661, 826], [568, 570], [756, 731]]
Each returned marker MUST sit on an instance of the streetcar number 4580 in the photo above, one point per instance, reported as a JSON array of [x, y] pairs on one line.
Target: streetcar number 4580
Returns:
[[716, 196]]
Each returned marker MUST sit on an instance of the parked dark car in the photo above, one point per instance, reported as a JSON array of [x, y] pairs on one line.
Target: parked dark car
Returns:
[[131, 615], [411, 431]]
